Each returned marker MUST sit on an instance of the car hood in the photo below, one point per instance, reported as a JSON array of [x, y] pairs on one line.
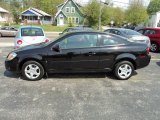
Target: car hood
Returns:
[[30, 47]]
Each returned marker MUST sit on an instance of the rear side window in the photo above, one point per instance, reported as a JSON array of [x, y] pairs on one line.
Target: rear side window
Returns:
[[112, 40], [115, 32], [31, 32], [5, 28], [149, 32]]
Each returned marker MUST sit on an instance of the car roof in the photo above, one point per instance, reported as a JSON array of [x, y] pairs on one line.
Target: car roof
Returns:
[[150, 28], [121, 29], [80, 28], [94, 32], [30, 27]]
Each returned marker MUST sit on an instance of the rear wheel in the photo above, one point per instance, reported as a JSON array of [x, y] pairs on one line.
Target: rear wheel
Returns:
[[32, 70], [154, 47], [123, 70]]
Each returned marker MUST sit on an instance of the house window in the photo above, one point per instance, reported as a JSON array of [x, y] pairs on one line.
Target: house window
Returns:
[[77, 20], [73, 10], [2, 15], [67, 9], [69, 19], [73, 19]]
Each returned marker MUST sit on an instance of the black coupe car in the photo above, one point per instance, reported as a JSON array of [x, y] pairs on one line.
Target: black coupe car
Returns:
[[80, 52]]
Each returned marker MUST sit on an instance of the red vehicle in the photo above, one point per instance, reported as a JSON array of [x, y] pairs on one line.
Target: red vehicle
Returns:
[[154, 35]]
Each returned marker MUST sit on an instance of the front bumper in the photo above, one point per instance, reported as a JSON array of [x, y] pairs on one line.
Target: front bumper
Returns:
[[12, 66]]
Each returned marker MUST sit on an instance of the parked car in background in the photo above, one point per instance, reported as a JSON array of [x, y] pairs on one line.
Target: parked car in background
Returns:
[[75, 29], [80, 52], [8, 31], [29, 35], [130, 34], [154, 35]]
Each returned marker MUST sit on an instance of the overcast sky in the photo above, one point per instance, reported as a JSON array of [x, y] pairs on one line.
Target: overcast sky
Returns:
[[120, 3]]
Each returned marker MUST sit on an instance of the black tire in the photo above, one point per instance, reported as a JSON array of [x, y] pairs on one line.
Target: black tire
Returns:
[[154, 47], [117, 70], [34, 63]]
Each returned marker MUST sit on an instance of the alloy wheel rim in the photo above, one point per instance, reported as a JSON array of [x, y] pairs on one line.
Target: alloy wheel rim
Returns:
[[153, 47], [125, 71], [32, 71]]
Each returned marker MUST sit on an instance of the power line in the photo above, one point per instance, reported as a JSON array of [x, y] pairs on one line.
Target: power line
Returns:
[[125, 4]]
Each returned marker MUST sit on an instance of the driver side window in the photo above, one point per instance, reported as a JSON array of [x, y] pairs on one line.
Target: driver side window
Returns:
[[79, 41]]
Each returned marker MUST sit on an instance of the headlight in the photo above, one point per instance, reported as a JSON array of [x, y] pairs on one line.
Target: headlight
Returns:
[[11, 56]]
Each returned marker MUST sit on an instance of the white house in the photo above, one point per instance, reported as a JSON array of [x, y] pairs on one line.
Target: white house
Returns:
[[4, 15], [154, 20], [33, 15]]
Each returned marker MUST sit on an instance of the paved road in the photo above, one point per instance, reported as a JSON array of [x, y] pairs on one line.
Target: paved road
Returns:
[[81, 96]]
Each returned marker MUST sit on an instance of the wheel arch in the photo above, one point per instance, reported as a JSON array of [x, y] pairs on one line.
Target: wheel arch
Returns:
[[30, 59], [126, 57]]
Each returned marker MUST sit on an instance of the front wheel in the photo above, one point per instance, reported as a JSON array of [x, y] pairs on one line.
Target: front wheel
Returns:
[[32, 70], [124, 70]]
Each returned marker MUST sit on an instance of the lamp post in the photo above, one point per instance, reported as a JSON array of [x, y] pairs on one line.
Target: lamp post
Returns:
[[100, 12]]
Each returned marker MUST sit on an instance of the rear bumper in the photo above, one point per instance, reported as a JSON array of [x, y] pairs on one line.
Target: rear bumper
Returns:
[[142, 62]]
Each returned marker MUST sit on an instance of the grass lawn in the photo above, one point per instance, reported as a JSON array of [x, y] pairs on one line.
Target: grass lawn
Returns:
[[47, 28]]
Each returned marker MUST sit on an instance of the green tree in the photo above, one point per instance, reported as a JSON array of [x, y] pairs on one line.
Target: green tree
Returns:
[[15, 9], [136, 13], [107, 13], [91, 12], [154, 6], [49, 6]]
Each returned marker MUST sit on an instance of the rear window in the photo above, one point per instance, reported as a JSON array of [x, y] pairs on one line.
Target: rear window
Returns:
[[32, 32]]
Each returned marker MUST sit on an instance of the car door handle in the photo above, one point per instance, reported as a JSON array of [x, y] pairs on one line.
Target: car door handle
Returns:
[[91, 53]]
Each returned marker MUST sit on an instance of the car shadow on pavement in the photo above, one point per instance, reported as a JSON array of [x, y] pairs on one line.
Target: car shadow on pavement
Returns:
[[77, 75], [11, 75], [108, 75]]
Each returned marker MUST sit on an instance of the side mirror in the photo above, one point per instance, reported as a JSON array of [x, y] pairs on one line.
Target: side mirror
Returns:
[[56, 48]]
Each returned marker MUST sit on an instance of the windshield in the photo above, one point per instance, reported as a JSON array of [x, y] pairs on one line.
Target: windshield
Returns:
[[130, 32], [32, 32]]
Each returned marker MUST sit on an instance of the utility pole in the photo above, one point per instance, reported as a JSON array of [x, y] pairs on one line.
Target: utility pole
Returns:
[[100, 12]]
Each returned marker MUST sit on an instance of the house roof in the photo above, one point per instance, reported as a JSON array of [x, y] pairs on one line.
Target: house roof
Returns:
[[36, 12], [40, 12], [60, 11], [3, 10], [67, 1], [62, 6]]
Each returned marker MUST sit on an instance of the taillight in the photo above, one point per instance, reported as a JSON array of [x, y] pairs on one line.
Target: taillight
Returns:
[[19, 42], [148, 50], [46, 40]]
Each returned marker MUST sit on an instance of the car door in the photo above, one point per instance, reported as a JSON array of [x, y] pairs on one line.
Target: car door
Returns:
[[77, 52], [13, 31], [111, 47], [151, 34], [5, 31]]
